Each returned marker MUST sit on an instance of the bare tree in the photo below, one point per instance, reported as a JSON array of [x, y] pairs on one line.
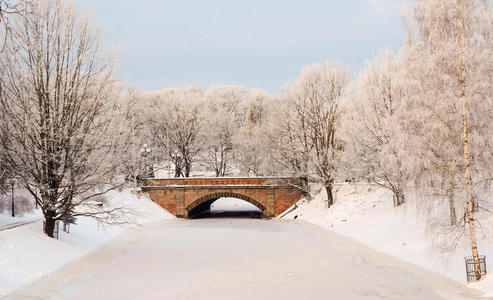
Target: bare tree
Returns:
[[132, 126], [375, 148], [8, 8], [251, 152], [289, 138], [317, 94], [56, 110], [177, 119], [222, 122]]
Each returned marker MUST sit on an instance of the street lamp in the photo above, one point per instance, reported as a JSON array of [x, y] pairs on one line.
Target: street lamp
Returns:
[[12, 183], [176, 156], [145, 151]]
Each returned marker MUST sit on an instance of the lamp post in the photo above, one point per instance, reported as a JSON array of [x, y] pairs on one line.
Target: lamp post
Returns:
[[12, 183], [169, 167], [176, 156], [144, 152], [169, 153]]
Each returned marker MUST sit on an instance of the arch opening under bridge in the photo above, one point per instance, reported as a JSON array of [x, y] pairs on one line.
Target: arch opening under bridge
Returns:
[[202, 206]]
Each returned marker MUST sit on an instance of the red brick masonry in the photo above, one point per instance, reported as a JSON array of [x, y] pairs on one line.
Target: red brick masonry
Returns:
[[273, 195]]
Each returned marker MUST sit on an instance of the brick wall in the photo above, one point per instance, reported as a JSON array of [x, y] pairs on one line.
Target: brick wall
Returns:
[[165, 198], [285, 198]]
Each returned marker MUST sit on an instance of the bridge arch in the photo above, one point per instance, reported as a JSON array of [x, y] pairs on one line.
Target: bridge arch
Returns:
[[204, 202]]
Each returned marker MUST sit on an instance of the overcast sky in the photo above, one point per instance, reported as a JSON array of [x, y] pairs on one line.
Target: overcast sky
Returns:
[[254, 43]]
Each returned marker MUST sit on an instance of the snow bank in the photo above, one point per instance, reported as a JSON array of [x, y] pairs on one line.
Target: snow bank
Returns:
[[366, 213], [485, 285], [6, 219], [26, 254]]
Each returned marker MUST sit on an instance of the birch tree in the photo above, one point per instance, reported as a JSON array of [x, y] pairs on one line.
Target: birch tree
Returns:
[[449, 94], [56, 108]]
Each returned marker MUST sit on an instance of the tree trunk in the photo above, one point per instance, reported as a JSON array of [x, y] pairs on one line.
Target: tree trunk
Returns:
[[453, 216], [470, 204], [187, 170], [451, 199], [330, 196], [50, 223], [465, 147], [451, 196], [177, 171], [398, 197]]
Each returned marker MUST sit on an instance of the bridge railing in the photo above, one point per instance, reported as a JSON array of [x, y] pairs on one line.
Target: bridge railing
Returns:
[[193, 181]]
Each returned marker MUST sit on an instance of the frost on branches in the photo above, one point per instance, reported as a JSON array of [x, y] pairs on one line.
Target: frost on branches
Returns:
[[315, 110], [375, 142], [56, 108], [449, 71], [223, 108]]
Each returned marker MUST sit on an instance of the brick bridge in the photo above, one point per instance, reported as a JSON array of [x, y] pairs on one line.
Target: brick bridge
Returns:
[[184, 197]]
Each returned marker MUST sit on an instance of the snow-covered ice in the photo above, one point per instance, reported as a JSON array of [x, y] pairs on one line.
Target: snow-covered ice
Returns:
[[240, 259]]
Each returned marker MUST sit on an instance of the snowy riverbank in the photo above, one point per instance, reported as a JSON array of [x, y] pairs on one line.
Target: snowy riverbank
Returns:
[[366, 213], [26, 254]]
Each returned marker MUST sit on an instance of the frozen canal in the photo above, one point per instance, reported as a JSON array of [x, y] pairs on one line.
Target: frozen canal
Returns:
[[238, 258]]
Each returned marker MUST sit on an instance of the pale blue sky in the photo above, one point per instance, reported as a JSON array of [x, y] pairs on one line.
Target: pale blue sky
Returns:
[[254, 43]]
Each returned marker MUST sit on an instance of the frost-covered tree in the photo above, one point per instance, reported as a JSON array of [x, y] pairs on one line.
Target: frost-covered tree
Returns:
[[56, 109], [375, 148], [133, 126], [8, 8], [251, 152], [317, 94], [177, 117], [222, 122], [449, 97], [288, 138]]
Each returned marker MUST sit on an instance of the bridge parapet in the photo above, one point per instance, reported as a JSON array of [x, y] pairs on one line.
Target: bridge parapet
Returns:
[[224, 181]]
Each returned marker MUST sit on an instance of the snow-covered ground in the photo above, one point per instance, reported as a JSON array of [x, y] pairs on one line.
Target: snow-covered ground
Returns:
[[26, 254], [366, 213], [6, 219]]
